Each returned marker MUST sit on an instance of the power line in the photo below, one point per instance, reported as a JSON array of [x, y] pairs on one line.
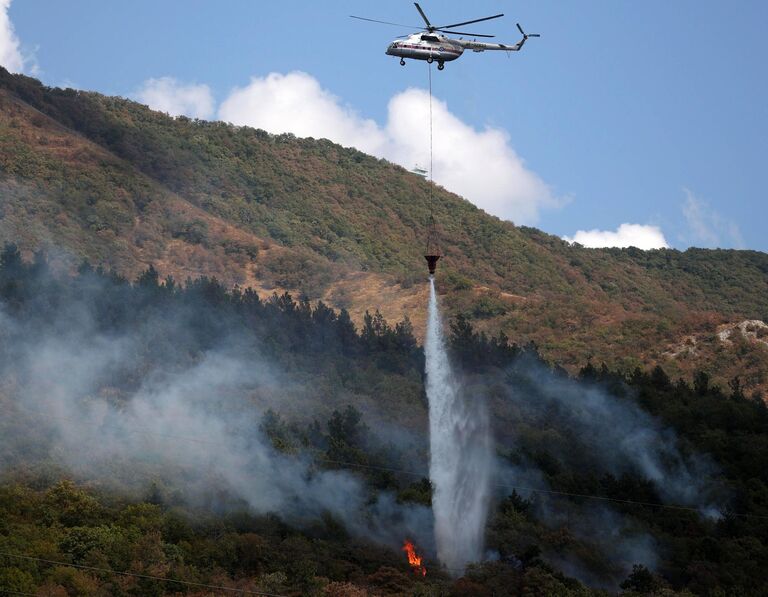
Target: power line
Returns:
[[421, 474], [136, 575], [201, 585], [545, 491]]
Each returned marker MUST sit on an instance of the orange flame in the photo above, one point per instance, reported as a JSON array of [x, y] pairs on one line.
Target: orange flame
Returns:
[[413, 558]]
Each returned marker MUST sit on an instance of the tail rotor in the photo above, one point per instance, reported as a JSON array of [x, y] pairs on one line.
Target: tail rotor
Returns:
[[524, 34]]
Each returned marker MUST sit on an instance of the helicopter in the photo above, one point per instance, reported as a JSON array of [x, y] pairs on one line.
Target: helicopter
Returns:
[[431, 44]]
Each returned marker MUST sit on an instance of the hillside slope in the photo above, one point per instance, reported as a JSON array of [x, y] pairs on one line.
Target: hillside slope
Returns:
[[112, 181]]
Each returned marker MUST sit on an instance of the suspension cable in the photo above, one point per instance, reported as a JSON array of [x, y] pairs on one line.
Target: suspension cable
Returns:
[[429, 70], [431, 233]]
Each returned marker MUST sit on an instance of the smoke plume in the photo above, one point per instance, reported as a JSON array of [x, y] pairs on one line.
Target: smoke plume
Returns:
[[556, 427], [587, 428], [86, 400]]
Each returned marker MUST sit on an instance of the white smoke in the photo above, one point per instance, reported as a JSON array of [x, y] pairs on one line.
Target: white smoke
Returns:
[[460, 455], [616, 435], [582, 429], [195, 426]]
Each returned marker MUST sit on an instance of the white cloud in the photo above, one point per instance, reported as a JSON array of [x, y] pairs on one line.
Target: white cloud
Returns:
[[478, 164], [295, 103], [10, 46], [167, 94], [627, 235], [707, 227]]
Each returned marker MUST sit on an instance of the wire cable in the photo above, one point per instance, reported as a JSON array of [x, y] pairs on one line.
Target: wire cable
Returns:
[[431, 179], [431, 233], [137, 575]]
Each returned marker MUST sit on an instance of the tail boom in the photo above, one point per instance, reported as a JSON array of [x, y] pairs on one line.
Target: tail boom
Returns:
[[480, 46]]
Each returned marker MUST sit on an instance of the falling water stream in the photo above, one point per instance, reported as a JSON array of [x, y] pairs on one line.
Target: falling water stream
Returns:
[[460, 454]]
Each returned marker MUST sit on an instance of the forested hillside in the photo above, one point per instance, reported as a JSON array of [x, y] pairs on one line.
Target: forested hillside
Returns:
[[157, 437], [89, 176]]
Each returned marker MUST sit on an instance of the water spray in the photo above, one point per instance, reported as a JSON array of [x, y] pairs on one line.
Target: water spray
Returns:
[[460, 454]]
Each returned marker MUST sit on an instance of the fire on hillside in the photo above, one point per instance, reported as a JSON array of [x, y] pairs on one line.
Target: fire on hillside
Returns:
[[413, 558]]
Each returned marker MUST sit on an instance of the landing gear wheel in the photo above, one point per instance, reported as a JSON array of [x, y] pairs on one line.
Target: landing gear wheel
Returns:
[[430, 60], [402, 62], [440, 66]]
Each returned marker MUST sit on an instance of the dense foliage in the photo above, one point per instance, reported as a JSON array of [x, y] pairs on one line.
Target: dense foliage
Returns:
[[113, 181], [154, 530]]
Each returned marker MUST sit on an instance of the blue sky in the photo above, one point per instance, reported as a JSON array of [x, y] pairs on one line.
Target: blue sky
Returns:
[[653, 114]]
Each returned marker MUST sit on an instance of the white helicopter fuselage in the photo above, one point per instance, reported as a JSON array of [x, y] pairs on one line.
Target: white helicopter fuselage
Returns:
[[426, 46], [441, 48]]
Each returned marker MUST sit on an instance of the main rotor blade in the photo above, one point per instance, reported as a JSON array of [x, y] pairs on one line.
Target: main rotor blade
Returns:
[[423, 16], [386, 22], [468, 22], [464, 33]]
